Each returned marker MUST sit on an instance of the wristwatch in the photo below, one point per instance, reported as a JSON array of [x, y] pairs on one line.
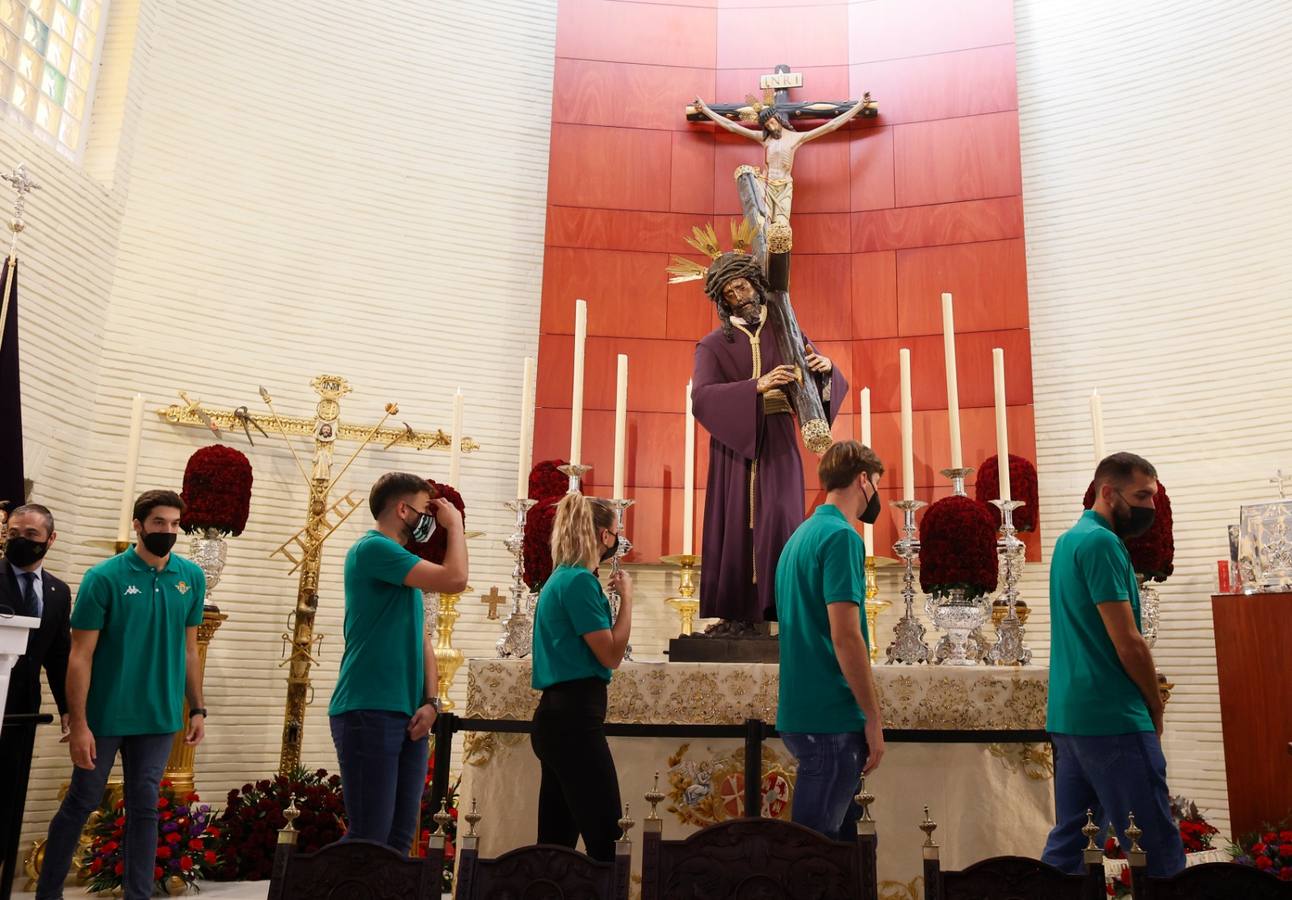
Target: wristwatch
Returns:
[[432, 702], [197, 711]]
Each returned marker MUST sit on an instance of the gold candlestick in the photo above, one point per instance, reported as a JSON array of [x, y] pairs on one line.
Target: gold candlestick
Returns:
[[874, 606], [448, 659], [686, 605], [180, 766]]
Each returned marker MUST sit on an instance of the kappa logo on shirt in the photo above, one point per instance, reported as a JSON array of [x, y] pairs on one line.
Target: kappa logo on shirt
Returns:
[[132, 590]]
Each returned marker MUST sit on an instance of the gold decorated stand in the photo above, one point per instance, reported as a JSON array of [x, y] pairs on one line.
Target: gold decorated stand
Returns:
[[686, 605], [180, 769]]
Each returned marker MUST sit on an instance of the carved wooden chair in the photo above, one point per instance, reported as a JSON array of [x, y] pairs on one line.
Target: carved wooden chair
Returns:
[[1209, 881], [542, 871], [756, 857], [355, 870], [1012, 877]]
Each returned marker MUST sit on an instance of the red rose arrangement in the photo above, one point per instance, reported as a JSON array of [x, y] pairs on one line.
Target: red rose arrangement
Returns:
[[1270, 851], [547, 486], [958, 548], [217, 491], [1022, 486], [185, 843], [1153, 552], [1195, 831], [435, 549], [248, 827], [426, 825]]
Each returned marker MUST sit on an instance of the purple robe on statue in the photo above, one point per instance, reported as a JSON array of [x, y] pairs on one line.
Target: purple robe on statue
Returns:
[[747, 444]]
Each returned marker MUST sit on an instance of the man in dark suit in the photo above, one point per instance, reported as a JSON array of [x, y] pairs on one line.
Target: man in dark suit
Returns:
[[28, 590]]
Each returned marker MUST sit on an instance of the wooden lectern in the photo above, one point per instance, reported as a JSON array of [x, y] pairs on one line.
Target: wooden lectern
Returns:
[[1254, 665]]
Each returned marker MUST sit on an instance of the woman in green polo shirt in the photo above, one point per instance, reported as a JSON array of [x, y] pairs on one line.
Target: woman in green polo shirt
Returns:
[[575, 647]]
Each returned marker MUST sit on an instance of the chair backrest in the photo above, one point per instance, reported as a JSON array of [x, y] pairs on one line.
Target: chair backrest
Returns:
[[1211, 881], [766, 858], [353, 870], [542, 870], [1010, 877]]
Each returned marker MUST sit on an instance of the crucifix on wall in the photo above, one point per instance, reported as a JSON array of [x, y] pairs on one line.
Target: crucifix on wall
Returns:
[[767, 196]]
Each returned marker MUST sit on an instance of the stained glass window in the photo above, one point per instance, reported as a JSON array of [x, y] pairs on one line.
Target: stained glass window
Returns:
[[48, 59]]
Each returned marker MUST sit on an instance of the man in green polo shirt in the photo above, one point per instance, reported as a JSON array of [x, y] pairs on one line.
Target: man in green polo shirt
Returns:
[[387, 693], [134, 657], [829, 715], [1105, 712]]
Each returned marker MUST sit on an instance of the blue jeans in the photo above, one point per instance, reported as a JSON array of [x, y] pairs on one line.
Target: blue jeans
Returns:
[[383, 774], [1113, 775], [829, 776], [143, 759]]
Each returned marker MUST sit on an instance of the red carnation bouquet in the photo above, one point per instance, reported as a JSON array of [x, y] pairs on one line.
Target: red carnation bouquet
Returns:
[[1022, 486], [185, 843], [547, 485], [1153, 552], [1269, 851], [958, 548], [1195, 831], [435, 549], [248, 827], [217, 491]]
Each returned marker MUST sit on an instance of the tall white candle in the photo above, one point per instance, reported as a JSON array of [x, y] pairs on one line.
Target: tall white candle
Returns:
[[1097, 425], [455, 451], [526, 430], [688, 479], [908, 435], [953, 388], [867, 531], [621, 423], [1002, 433], [132, 469], [576, 397]]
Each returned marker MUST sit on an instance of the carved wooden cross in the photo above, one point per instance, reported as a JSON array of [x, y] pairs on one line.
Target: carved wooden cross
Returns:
[[493, 600], [780, 81]]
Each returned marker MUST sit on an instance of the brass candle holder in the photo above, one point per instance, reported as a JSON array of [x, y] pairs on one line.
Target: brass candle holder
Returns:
[[687, 606], [875, 606]]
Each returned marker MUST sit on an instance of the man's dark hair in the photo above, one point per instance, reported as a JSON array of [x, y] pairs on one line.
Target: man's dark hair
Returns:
[[726, 268], [767, 113], [844, 461], [393, 487], [1120, 469], [37, 510], [150, 500]]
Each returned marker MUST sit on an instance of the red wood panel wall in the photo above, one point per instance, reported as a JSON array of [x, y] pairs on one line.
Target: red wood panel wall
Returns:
[[888, 213]]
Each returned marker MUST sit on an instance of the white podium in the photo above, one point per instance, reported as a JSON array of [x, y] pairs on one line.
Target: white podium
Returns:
[[14, 632]]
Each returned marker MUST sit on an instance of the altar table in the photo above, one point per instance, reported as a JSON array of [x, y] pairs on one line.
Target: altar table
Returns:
[[965, 741]]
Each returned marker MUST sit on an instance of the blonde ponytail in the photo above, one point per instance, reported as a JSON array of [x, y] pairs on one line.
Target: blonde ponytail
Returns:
[[576, 527]]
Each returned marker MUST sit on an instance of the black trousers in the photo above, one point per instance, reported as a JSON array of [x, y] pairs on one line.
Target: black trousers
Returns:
[[579, 793]]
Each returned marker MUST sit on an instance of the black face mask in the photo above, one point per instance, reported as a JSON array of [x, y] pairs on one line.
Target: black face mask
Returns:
[[608, 553], [871, 512], [22, 552], [159, 543], [422, 529], [1135, 521]]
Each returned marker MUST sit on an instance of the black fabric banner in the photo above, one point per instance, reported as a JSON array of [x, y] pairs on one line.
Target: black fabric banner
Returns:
[[11, 483]]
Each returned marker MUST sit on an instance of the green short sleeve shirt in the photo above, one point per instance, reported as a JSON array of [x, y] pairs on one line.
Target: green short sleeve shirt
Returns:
[[822, 563], [383, 665], [570, 605], [142, 616], [1090, 692]]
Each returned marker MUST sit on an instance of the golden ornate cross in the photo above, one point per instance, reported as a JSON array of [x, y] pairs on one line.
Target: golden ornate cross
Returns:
[[304, 548], [493, 600]]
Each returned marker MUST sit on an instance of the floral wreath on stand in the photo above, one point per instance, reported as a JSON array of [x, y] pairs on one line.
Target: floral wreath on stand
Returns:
[[1022, 486], [186, 843], [547, 485], [958, 548]]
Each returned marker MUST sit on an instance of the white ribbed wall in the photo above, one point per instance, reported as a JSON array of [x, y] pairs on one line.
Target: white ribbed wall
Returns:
[[290, 197]]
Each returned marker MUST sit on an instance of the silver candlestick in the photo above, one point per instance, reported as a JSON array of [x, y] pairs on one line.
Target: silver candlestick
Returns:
[[575, 471], [1009, 649], [518, 631], [958, 477], [908, 644], [625, 545]]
